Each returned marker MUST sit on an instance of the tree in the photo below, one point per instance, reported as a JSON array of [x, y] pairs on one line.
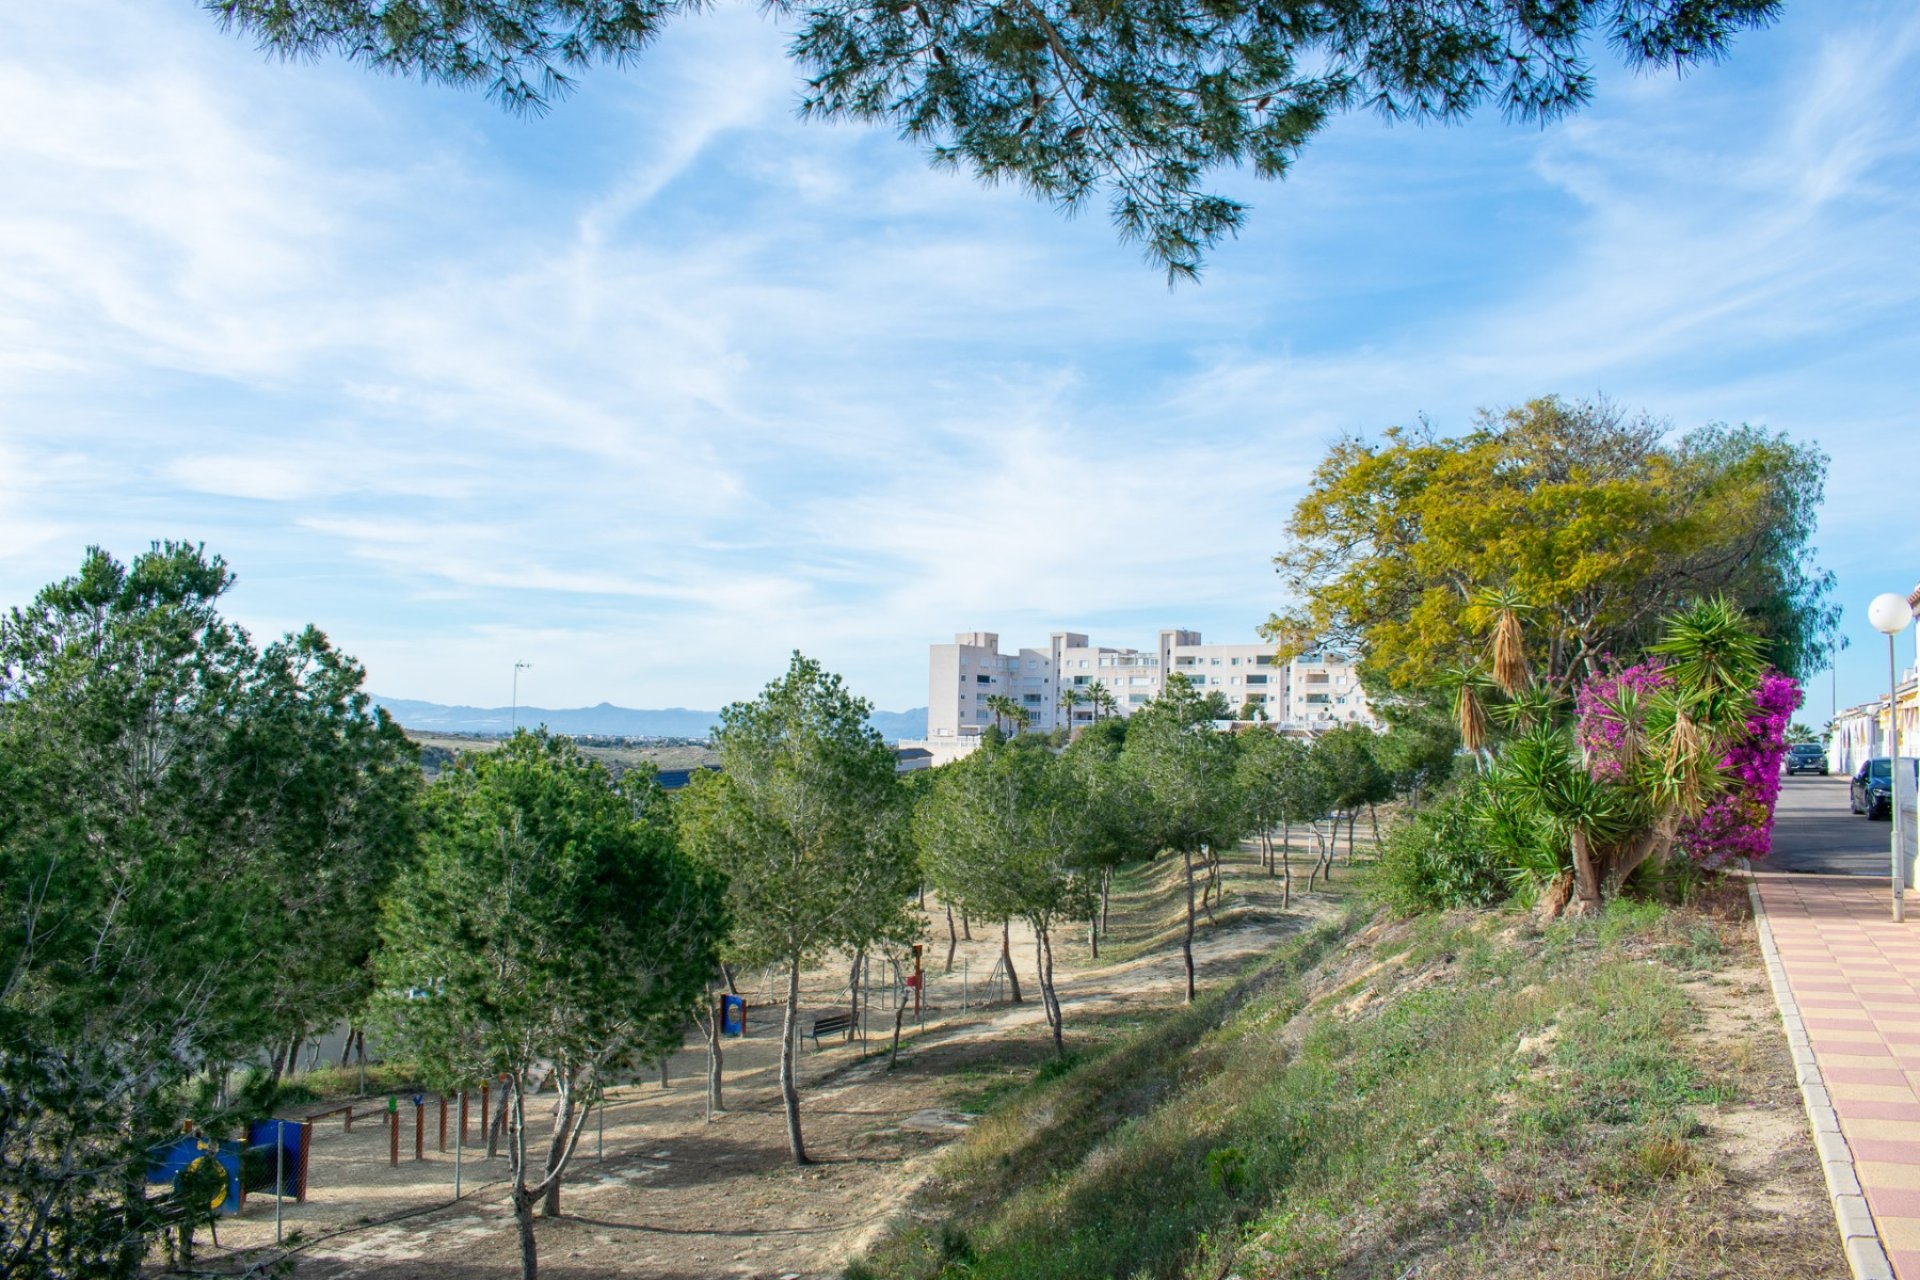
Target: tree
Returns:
[[1069, 699], [1585, 804], [1418, 749], [340, 794], [1096, 695], [808, 822], [170, 893], [553, 927], [1001, 828], [1265, 760], [1355, 776], [1136, 101], [1566, 525], [1186, 775]]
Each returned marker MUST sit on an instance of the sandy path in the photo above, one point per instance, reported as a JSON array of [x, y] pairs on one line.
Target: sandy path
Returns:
[[669, 1194]]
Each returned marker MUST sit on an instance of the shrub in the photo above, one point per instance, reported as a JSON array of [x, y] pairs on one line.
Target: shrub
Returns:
[[1440, 857]]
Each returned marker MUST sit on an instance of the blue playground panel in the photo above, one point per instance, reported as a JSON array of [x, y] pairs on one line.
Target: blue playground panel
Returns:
[[291, 1135], [733, 1015], [167, 1161]]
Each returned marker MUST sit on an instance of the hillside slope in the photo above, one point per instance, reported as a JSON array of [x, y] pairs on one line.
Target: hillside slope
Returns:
[[1458, 1096]]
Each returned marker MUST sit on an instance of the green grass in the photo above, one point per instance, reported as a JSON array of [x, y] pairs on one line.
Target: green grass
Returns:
[[1488, 1082]]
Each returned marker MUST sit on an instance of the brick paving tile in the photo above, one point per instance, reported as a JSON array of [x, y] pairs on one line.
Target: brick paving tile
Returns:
[[1850, 969]]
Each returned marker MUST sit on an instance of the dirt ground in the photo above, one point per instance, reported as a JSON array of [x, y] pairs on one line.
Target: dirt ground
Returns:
[[666, 1193]]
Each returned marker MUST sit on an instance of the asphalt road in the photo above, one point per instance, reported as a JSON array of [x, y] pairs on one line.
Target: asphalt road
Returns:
[[1812, 831]]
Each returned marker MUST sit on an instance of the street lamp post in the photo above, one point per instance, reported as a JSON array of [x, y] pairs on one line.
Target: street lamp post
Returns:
[[1889, 615], [518, 667]]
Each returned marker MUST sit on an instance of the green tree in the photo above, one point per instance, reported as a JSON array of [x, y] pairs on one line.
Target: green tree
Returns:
[[1136, 101], [1412, 548], [808, 822], [339, 796], [1186, 775], [553, 927], [1002, 828], [167, 888], [1420, 744], [1264, 761], [1347, 754]]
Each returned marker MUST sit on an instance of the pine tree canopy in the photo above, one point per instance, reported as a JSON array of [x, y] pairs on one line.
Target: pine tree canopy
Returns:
[[1136, 100]]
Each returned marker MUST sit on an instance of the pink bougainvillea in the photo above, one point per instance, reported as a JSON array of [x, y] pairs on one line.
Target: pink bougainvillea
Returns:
[[1611, 708], [1739, 823]]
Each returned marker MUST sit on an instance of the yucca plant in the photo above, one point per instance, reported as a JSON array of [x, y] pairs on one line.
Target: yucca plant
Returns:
[[1502, 611], [1667, 739], [1469, 708]]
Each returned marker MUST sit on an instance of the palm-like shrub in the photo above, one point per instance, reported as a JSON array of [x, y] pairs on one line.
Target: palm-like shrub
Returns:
[[1581, 806]]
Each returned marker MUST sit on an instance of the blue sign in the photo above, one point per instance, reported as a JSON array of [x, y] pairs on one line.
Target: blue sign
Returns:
[[733, 1015]]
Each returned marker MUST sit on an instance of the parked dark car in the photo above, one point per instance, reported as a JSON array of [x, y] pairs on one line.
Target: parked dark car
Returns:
[[1806, 757], [1872, 789]]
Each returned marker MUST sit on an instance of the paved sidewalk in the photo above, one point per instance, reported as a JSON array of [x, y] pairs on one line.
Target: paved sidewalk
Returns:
[[1852, 974]]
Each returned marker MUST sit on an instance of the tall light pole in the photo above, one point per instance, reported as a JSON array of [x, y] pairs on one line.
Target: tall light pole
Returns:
[[1889, 615], [518, 667]]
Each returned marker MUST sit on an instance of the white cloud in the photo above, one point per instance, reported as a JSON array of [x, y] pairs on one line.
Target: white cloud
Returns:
[[668, 374]]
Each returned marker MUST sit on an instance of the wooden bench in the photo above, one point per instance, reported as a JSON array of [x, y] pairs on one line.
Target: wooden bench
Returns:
[[829, 1024]]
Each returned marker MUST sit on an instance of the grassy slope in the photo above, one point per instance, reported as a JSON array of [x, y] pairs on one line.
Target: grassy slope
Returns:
[[1455, 1096]]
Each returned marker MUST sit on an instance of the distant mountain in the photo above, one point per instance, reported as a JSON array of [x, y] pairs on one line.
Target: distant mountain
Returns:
[[670, 722]]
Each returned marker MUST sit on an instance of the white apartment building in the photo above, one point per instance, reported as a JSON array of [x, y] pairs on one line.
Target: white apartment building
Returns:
[[1317, 690]]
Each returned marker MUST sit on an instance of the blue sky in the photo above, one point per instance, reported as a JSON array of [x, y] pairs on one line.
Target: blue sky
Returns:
[[656, 388]]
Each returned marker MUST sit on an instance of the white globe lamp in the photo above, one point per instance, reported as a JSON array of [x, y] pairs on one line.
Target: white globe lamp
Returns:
[[1890, 615]]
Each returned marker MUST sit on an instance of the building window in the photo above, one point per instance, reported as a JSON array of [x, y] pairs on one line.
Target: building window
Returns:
[[983, 679], [1031, 699], [1256, 679], [1137, 699], [1264, 660], [1197, 680], [1137, 681]]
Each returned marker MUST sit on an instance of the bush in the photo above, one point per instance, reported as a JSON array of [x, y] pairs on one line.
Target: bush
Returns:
[[1441, 858]]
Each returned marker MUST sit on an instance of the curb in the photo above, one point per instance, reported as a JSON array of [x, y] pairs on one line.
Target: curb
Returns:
[[1862, 1241]]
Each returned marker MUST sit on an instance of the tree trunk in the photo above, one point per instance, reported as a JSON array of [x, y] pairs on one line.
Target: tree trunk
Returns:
[[497, 1128], [1106, 895], [557, 1147], [523, 1219], [715, 1074], [513, 1110], [279, 1063], [1186, 940], [1586, 879], [1006, 958], [1286, 877], [726, 971], [966, 925], [346, 1046], [1093, 935], [953, 938], [1352, 816], [899, 1016], [1373, 820], [1043, 963], [789, 1037], [853, 991]]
